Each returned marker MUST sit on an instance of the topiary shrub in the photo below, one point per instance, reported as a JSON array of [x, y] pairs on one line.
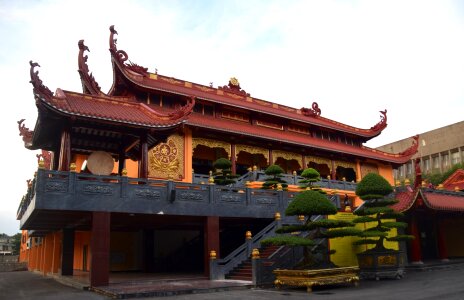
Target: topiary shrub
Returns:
[[275, 171], [373, 189], [312, 203], [223, 175]]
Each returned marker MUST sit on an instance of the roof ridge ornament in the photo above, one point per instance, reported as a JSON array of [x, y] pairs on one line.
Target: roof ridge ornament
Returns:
[[234, 87], [414, 147], [39, 87], [314, 111], [25, 133], [121, 56], [89, 84], [382, 123]]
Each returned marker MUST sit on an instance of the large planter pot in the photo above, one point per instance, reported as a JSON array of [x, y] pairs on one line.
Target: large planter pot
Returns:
[[310, 278], [381, 264]]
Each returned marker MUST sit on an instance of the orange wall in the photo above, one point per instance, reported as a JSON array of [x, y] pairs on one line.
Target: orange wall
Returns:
[[81, 239]]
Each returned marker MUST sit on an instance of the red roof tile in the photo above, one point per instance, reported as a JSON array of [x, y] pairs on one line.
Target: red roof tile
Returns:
[[111, 109], [405, 200], [444, 202], [292, 138], [455, 180]]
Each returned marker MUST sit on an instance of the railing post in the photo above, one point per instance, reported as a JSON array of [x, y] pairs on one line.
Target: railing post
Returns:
[[211, 193], [256, 271], [72, 178], [213, 266], [171, 192], [124, 183], [249, 243], [280, 199], [248, 196]]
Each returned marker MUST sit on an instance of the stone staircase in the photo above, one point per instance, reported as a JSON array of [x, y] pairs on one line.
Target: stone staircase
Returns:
[[244, 270]]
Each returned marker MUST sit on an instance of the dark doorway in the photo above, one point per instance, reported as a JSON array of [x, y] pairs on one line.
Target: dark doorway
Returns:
[[428, 238]]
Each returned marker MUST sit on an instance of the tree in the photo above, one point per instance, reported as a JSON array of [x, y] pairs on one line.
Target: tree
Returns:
[[223, 175], [373, 189], [16, 243], [311, 203], [275, 171], [311, 176]]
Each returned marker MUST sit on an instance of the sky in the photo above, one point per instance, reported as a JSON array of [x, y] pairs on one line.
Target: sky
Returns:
[[354, 58]]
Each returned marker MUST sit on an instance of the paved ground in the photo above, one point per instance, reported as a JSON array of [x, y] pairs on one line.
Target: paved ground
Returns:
[[442, 284]]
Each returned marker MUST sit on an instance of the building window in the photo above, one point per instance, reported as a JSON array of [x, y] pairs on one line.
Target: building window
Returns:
[[402, 171], [427, 165], [445, 159], [436, 163], [455, 159], [409, 168]]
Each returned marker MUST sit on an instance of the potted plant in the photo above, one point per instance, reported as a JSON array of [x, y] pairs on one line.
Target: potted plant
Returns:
[[311, 206], [378, 261], [274, 173], [223, 174]]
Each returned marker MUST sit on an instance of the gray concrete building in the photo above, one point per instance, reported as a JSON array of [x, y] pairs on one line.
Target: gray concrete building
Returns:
[[439, 150]]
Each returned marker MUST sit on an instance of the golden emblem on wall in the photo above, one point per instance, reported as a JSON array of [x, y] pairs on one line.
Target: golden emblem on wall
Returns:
[[167, 159]]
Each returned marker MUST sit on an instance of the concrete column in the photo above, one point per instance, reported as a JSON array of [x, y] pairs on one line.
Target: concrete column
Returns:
[[100, 248], [233, 159], [67, 252], [211, 240], [143, 163], [440, 162], [65, 151]]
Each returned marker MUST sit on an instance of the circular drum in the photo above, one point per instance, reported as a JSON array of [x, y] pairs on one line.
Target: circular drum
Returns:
[[100, 163]]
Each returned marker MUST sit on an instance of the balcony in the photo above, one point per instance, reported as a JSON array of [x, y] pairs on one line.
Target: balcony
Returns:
[[64, 197]]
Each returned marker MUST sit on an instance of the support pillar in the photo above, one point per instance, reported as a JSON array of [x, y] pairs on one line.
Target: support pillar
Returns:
[[121, 161], [416, 257], [333, 172], [442, 250], [100, 247], [65, 151], [67, 252], [143, 163], [211, 240], [233, 159]]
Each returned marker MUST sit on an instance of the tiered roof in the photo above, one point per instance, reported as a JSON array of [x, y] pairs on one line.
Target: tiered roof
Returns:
[[439, 200], [115, 107]]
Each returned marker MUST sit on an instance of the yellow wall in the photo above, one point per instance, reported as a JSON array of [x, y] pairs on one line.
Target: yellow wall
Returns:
[[345, 254]]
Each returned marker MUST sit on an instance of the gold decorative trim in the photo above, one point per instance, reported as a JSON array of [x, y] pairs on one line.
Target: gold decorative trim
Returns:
[[153, 76], [261, 102], [288, 156], [166, 160], [269, 125], [252, 150], [212, 144], [188, 84], [319, 161], [203, 88], [367, 168], [345, 164], [171, 80], [219, 92], [235, 96]]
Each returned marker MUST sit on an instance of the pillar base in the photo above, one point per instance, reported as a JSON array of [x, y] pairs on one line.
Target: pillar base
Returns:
[[415, 263], [444, 260]]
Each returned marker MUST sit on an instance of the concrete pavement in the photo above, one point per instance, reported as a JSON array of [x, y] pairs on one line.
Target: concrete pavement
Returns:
[[447, 283]]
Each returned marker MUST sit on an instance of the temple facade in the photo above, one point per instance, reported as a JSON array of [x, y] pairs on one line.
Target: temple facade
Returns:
[[124, 180]]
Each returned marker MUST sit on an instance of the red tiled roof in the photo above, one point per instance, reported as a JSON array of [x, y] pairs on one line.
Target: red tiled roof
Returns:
[[110, 109], [169, 84], [405, 200], [292, 138], [455, 180], [444, 202], [140, 76]]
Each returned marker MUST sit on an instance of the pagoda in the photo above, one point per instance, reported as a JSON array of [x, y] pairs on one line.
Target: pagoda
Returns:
[[124, 180]]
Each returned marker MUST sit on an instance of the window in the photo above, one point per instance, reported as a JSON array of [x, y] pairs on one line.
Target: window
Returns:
[[409, 168], [427, 165], [445, 160], [455, 159], [436, 162]]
